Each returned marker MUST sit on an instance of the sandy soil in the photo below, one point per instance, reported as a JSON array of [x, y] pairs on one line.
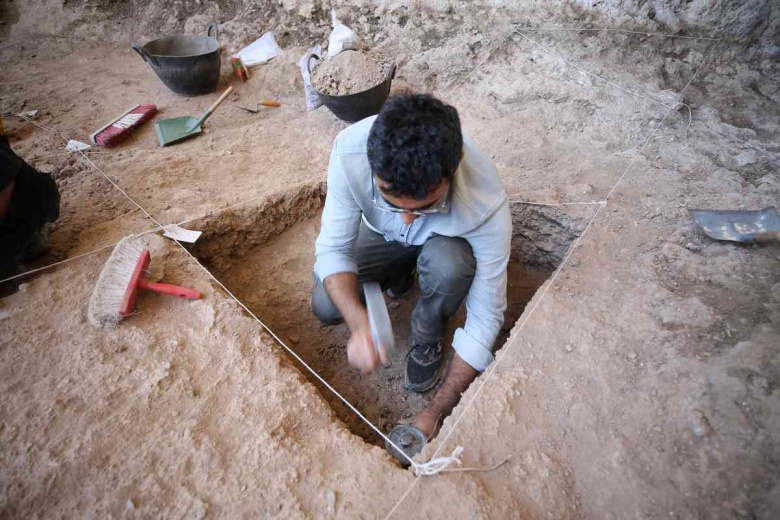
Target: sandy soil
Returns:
[[351, 72], [642, 385]]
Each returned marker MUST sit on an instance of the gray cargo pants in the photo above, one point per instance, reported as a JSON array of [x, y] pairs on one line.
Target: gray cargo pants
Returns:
[[445, 268]]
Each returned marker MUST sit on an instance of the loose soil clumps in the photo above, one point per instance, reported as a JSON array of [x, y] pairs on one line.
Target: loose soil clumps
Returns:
[[351, 72]]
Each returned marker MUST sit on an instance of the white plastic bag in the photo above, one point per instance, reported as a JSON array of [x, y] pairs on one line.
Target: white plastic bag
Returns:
[[312, 99], [259, 51], [340, 37]]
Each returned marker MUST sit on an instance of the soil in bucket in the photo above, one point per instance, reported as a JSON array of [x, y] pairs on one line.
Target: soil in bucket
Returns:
[[351, 72]]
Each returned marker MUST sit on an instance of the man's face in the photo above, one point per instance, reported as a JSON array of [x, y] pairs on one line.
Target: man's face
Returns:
[[411, 204]]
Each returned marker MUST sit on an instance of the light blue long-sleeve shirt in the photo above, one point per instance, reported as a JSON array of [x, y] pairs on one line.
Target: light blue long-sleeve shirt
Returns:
[[479, 213]]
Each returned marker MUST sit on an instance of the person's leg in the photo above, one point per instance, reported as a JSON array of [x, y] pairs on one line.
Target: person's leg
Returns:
[[378, 260], [446, 268]]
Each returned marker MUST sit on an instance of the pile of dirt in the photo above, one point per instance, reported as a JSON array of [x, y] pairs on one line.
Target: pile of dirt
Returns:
[[351, 72]]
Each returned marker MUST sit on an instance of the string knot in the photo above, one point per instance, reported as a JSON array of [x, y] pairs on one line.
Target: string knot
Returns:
[[439, 464]]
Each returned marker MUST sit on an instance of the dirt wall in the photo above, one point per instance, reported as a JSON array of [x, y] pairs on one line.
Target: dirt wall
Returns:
[[755, 23]]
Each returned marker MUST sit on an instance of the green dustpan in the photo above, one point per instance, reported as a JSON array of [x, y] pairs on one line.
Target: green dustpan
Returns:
[[177, 129]]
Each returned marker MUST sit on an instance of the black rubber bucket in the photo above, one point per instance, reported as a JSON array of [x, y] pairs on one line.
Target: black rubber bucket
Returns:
[[187, 64], [354, 107]]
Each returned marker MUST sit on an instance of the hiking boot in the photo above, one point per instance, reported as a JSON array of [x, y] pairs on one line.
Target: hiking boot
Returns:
[[404, 286], [423, 367]]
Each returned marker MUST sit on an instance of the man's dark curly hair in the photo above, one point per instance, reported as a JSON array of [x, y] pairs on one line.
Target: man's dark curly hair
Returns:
[[414, 144]]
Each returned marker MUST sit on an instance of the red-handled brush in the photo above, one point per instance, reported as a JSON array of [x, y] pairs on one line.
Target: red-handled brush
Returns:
[[123, 276], [120, 128]]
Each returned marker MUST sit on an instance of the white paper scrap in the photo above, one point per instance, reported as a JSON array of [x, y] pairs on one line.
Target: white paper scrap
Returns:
[[261, 50], [182, 235], [77, 146], [29, 113]]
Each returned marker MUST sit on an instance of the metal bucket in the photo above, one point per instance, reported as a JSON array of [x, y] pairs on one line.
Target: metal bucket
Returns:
[[354, 107], [186, 64]]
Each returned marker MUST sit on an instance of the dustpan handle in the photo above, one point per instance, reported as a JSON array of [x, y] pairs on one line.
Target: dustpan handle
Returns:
[[218, 102], [213, 107]]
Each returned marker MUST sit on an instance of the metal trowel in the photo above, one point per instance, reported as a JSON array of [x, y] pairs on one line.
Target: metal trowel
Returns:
[[762, 226], [379, 318]]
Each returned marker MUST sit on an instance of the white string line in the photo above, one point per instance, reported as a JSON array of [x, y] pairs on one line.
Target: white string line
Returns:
[[517, 31], [571, 250], [545, 29], [566, 258], [584, 71], [297, 357], [128, 197], [505, 39], [704, 61], [309, 368], [36, 158], [210, 213], [153, 230], [233, 206], [55, 264], [41, 125], [602, 29], [267, 329], [526, 28], [247, 201], [591, 203], [501, 353], [161, 228], [527, 315]]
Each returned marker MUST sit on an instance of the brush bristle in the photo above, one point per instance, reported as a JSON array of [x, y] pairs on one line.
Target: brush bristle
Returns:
[[121, 129], [112, 283]]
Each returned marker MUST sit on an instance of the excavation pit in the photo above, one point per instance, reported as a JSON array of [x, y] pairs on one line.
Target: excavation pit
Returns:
[[265, 254]]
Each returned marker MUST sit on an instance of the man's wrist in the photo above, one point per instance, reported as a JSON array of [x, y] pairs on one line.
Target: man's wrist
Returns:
[[359, 323]]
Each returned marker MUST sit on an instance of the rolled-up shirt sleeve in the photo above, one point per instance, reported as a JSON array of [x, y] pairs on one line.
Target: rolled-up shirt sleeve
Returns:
[[335, 246], [486, 301]]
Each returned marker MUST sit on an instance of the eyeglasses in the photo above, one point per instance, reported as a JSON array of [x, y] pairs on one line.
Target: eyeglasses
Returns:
[[440, 206]]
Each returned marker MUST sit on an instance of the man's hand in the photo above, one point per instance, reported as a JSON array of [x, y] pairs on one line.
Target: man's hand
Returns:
[[361, 353]]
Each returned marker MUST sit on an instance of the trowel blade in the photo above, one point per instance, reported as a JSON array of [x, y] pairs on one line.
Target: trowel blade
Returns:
[[378, 317], [736, 225]]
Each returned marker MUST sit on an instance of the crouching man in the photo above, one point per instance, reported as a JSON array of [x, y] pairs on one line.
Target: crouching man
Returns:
[[408, 192], [28, 201]]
